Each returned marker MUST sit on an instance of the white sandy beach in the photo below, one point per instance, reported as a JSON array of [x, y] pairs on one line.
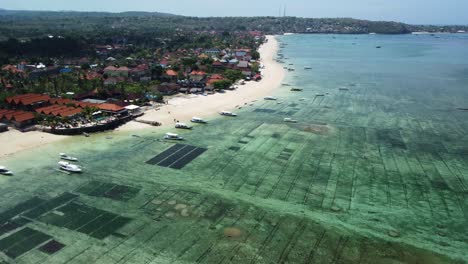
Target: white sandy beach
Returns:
[[184, 107], [14, 141], [181, 107]]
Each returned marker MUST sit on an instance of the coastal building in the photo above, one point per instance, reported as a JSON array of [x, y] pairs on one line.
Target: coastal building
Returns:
[[171, 75], [27, 101], [112, 109], [197, 76], [113, 71], [19, 119], [212, 79], [168, 88], [113, 80], [212, 52]]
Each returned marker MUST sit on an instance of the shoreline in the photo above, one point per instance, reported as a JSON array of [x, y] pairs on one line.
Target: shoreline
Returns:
[[184, 107], [181, 107]]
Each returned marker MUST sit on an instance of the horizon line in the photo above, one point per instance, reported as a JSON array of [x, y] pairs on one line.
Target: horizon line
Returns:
[[172, 14]]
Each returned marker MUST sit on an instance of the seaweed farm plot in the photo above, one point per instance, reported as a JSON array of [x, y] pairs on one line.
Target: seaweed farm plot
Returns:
[[177, 157], [109, 190], [22, 241], [85, 219]]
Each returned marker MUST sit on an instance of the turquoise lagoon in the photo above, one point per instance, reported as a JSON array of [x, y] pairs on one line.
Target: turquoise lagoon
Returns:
[[375, 171]]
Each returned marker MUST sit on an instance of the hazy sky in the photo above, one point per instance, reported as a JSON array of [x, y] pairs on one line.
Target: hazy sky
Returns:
[[409, 11]]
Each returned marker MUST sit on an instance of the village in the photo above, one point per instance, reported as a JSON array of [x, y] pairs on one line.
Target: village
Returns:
[[115, 85]]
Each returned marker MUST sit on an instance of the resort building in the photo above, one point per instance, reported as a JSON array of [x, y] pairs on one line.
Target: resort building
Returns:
[[28, 101]]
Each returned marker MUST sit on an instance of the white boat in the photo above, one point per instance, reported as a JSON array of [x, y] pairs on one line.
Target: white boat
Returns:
[[227, 113], [5, 171], [182, 126], [290, 120], [66, 157], [271, 98], [172, 136], [66, 166], [198, 120]]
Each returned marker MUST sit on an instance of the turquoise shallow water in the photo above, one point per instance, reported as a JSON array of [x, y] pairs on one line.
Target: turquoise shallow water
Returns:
[[374, 172]]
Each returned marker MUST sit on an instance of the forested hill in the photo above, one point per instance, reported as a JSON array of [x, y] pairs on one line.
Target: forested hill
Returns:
[[34, 24], [25, 14]]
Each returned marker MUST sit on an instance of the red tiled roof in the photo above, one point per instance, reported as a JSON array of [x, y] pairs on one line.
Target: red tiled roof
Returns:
[[110, 107], [27, 99], [22, 117], [171, 73], [71, 112], [217, 76], [112, 68], [198, 73], [5, 113]]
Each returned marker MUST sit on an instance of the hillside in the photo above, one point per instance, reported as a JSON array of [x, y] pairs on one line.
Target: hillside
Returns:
[[33, 24]]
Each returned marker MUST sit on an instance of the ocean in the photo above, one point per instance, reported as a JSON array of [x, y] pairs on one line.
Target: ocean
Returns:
[[374, 171]]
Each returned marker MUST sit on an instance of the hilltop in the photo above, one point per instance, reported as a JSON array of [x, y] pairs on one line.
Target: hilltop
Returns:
[[30, 24]]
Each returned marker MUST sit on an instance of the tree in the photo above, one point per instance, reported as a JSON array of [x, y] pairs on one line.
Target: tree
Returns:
[[233, 75], [255, 55], [222, 84], [85, 67]]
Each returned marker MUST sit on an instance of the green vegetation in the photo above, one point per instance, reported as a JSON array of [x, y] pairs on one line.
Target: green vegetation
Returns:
[[222, 84], [233, 75]]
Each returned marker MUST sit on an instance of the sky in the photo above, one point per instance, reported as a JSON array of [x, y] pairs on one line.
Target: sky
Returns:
[[408, 11]]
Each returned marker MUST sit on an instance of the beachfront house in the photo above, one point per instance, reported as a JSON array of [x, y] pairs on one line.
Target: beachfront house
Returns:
[[112, 109], [197, 76], [171, 75], [19, 119]]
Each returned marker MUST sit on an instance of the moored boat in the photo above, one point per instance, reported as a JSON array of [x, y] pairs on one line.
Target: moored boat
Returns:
[[290, 120], [296, 89], [227, 113], [271, 98], [182, 126], [68, 167], [173, 136], [66, 157], [5, 171], [198, 120]]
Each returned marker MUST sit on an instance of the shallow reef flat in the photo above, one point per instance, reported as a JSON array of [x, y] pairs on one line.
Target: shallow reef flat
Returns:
[[372, 174]]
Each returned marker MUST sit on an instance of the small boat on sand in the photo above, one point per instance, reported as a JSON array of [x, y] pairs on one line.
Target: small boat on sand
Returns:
[[296, 89], [270, 98], [227, 113], [290, 120], [182, 126], [5, 171], [66, 157], [198, 120], [173, 136], [68, 167]]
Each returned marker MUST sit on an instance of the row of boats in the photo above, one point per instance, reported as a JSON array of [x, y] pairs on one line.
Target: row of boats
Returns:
[[64, 165], [198, 120]]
